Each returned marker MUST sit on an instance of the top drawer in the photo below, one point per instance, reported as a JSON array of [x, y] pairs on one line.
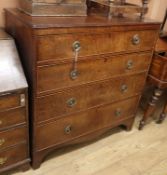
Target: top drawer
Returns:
[[11, 101], [59, 47]]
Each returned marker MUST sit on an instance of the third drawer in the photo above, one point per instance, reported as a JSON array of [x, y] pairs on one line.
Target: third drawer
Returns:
[[87, 96], [13, 136]]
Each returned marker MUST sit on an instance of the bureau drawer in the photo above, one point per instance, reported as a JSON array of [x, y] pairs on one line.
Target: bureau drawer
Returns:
[[11, 101], [13, 155], [12, 117], [58, 47], [83, 123], [13, 136], [83, 97], [158, 67], [59, 76]]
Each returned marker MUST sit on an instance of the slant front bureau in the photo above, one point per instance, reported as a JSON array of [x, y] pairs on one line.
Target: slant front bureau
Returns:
[[86, 74], [14, 125]]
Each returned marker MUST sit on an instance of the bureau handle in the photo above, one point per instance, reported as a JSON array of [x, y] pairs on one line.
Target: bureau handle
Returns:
[[22, 100], [136, 39], [3, 160], [1, 122], [2, 141], [68, 129], [71, 102], [118, 112], [129, 64], [124, 88], [76, 48]]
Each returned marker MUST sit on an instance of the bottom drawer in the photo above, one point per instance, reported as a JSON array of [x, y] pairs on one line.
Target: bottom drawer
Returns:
[[62, 130], [13, 155]]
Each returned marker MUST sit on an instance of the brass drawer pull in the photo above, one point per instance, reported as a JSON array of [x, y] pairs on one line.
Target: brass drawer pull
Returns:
[[71, 102], [68, 129], [130, 64], [3, 160], [1, 122], [124, 88], [74, 74], [22, 100], [118, 112], [2, 141], [136, 39], [76, 48]]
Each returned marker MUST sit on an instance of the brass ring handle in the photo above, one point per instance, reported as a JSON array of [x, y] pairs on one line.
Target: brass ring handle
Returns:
[[76, 46], [136, 39], [3, 160], [74, 74], [22, 100], [124, 88], [71, 102], [130, 64], [118, 112], [2, 141], [68, 129]]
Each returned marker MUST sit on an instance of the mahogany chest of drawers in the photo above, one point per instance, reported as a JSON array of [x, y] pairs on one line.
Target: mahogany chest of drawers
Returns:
[[14, 128], [86, 74]]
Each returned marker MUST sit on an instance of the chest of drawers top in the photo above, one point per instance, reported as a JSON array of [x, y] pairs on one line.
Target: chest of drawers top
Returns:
[[89, 21]]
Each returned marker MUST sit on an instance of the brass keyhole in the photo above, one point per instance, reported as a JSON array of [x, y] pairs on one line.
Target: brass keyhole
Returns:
[[71, 102], [136, 39], [68, 129], [118, 112], [124, 88], [130, 64]]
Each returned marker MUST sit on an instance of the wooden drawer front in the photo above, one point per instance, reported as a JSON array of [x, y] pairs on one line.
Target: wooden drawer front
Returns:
[[13, 155], [13, 136], [58, 76], [85, 122], [158, 67], [12, 117], [83, 97], [10, 101], [59, 47]]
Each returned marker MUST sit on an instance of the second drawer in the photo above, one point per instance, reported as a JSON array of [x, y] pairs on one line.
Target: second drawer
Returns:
[[59, 76]]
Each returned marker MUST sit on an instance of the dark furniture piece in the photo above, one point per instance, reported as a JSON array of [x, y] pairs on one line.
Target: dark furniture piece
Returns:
[[14, 128], [54, 7], [86, 74], [119, 8], [157, 77]]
